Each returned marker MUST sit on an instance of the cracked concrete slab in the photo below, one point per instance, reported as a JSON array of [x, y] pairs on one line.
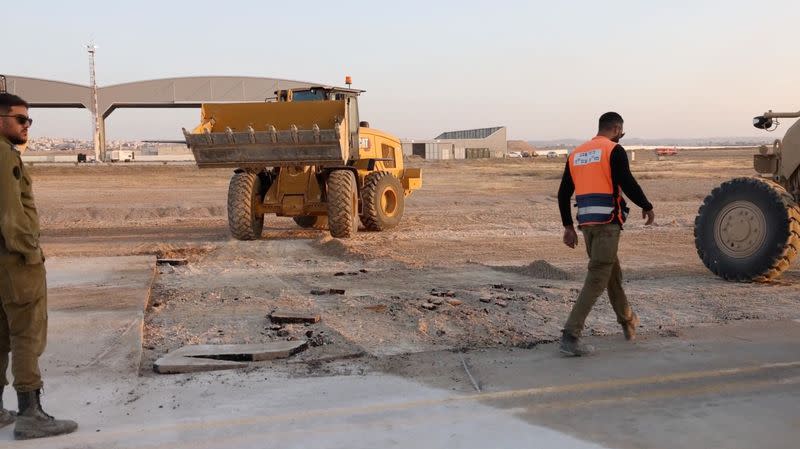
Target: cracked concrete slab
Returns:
[[197, 358]]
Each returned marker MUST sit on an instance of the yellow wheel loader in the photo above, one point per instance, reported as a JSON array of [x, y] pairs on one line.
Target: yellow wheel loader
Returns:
[[748, 229], [307, 156]]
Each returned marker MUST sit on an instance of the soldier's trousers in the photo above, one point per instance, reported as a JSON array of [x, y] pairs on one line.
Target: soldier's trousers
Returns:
[[604, 273], [23, 323]]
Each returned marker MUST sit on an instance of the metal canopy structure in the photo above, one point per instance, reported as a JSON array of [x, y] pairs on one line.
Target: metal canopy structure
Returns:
[[185, 92]]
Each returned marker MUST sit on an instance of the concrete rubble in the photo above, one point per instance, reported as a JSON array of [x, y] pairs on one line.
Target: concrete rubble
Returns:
[[196, 358]]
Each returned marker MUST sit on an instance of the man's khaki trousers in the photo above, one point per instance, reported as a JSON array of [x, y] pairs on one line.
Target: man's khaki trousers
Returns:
[[604, 273], [23, 323]]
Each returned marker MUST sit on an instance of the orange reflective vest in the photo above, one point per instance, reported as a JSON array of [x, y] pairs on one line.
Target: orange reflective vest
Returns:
[[590, 168]]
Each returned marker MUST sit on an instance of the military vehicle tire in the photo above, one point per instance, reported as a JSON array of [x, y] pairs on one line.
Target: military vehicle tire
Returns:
[[748, 229], [342, 204], [383, 201], [312, 221], [245, 192]]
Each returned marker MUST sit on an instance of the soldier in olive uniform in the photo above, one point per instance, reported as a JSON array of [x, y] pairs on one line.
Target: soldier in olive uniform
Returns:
[[23, 287]]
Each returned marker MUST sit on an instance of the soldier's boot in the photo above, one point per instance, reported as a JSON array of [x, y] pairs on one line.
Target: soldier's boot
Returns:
[[6, 416], [629, 327], [573, 346], [33, 422]]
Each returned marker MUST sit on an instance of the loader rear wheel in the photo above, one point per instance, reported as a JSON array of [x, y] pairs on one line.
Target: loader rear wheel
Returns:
[[383, 201], [245, 192], [342, 204], [312, 222], [748, 229]]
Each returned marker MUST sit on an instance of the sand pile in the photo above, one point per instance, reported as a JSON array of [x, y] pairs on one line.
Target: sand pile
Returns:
[[539, 269]]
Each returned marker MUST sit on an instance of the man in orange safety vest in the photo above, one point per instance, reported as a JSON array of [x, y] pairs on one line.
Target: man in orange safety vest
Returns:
[[596, 172]]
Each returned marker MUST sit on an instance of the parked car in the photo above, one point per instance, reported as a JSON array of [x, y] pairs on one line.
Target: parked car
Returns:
[[552, 155], [514, 154], [666, 151]]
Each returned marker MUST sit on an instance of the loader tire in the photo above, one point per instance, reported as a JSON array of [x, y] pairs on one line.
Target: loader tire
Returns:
[[312, 222], [383, 201], [342, 204], [748, 229], [245, 192]]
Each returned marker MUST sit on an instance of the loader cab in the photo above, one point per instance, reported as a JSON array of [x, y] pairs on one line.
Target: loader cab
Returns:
[[318, 93], [324, 93]]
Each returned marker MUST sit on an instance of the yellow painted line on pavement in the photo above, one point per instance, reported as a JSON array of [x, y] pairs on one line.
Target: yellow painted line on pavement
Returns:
[[204, 424]]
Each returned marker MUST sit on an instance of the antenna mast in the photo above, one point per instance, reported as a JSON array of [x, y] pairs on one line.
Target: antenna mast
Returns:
[[92, 49]]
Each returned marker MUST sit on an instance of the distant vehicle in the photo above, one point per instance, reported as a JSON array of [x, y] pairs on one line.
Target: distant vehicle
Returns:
[[666, 151], [552, 155], [122, 156], [527, 154], [514, 154]]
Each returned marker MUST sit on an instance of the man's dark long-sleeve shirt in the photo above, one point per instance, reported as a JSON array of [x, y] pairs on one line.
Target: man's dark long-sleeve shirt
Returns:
[[621, 178]]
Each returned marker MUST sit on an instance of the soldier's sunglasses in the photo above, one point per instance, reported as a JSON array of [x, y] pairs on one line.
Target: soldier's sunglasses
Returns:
[[21, 119]]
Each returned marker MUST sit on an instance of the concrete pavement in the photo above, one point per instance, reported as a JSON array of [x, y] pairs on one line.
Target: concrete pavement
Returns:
[[730, 386]]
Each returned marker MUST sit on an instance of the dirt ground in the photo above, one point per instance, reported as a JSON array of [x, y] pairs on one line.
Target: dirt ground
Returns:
[[477, 260]]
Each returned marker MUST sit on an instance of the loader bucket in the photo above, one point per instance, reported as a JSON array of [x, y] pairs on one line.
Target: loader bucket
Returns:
[[262, 135]]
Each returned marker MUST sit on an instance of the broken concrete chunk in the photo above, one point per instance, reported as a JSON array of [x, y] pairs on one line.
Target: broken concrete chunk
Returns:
[[330, 291], [486, 300], [455, 302], [437, 301], [428, 306], [502, 287], [167, 261], [176, 365], [197, 358], [380, 308], [255, 352], [501, 303], [284, 316]]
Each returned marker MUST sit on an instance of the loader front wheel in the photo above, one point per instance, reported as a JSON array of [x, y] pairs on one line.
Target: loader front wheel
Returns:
[[383, 201], [342, 204], [748, 229], [245, 193], [312, 222]]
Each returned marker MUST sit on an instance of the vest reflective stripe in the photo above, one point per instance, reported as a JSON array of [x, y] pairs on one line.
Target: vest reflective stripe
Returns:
[[595, 210], [590, 168]]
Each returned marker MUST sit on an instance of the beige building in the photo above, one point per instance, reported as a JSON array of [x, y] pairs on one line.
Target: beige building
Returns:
[[465, 144]]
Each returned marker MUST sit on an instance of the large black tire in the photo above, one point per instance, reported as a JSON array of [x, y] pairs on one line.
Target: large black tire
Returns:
[[312, 222], [245, 192], [342, 204], [383, 201], [748, 229]]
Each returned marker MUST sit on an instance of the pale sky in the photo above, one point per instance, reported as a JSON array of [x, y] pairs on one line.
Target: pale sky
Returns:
[[545, 69]]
